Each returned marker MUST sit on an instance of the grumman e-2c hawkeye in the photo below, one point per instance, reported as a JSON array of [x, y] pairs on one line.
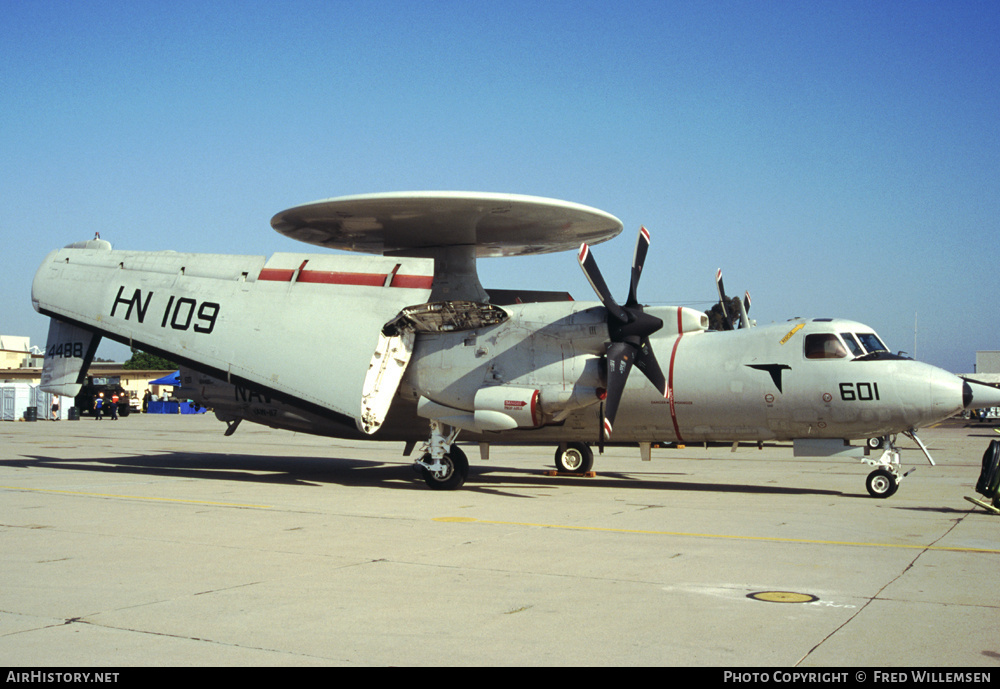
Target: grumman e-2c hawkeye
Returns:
[[406, 345]]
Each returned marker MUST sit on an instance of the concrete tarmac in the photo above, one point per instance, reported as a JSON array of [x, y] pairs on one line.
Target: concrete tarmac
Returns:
[[156, 541]]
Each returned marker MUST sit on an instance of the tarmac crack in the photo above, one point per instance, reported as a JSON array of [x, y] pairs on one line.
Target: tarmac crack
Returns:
[[878, 594], [182, 637]]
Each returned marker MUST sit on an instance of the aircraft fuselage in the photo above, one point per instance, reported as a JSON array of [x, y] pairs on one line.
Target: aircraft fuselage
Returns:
[[745, 385]]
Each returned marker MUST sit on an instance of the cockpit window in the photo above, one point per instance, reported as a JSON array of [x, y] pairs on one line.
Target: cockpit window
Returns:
[[871, 343], [852, 344], [824, 346]]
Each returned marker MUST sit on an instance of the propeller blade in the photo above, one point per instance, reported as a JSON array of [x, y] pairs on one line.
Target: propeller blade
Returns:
[[638, 259], [629, 328], [621, 357], [727, 322], [600, 435], [647, 363], [744, 308], [593, 273]]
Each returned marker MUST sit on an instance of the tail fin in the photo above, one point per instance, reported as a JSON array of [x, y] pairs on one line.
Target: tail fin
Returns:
[[68, 353]]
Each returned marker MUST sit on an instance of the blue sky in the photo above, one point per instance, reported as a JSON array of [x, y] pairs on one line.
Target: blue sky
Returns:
[[834, 158]]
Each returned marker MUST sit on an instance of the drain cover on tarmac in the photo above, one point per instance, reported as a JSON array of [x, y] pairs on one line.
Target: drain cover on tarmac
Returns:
[[782, 597]]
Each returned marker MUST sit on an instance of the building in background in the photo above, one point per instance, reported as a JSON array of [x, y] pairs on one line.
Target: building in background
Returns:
[[21, 376]]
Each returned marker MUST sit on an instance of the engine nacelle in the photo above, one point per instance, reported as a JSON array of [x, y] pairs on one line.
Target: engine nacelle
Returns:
[[678, 319], [497, 408], [517, 404]]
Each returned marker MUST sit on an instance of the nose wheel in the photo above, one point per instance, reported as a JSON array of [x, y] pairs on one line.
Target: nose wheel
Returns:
[[881, 483]]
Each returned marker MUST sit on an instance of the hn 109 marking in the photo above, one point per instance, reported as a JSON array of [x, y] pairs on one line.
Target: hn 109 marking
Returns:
[[178, 313]]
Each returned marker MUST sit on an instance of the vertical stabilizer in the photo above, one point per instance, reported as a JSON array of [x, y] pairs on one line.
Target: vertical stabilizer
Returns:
[[68, 353]]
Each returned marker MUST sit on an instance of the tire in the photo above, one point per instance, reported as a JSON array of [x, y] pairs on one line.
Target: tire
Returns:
[[989, 478], [458, 465], [881, 484], [574, 458]]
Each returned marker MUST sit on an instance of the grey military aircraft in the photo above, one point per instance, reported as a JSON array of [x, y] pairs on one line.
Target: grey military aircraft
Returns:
[[406, 344]]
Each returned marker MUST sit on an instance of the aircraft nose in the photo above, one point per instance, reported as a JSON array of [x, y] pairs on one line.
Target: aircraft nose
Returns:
[[976, 395], [945, 389], [927, 394]]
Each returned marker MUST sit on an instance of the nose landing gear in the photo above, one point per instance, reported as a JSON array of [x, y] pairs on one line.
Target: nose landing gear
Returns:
[[885, 480]]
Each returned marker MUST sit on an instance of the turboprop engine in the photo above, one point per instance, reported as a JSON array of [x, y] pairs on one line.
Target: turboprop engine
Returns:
[[530, 370]]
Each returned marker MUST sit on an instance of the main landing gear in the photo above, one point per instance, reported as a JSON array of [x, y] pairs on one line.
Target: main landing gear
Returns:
[[447, 473], [574, 458], [444, 466]]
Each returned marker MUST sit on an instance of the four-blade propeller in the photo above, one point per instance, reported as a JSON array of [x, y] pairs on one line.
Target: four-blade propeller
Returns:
[[629, 327]]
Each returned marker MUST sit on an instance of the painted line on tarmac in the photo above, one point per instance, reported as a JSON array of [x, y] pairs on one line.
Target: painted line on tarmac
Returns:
[[770, 539], [137, 497]]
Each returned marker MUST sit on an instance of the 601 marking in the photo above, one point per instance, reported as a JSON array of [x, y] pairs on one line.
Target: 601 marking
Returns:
[[863, 392]]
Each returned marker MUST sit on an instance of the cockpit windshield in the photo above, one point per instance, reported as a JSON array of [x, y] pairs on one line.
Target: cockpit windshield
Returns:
[[871, 343], [852, 344], [842, 346]]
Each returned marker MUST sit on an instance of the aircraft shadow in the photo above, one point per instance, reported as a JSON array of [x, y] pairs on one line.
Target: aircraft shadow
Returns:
[[292, 471], [940, 510], [482, 478], [317, 471]]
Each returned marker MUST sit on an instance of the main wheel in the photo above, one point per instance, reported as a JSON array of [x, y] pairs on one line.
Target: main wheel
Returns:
[[881, 484], [454, 476], [574, 458]]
